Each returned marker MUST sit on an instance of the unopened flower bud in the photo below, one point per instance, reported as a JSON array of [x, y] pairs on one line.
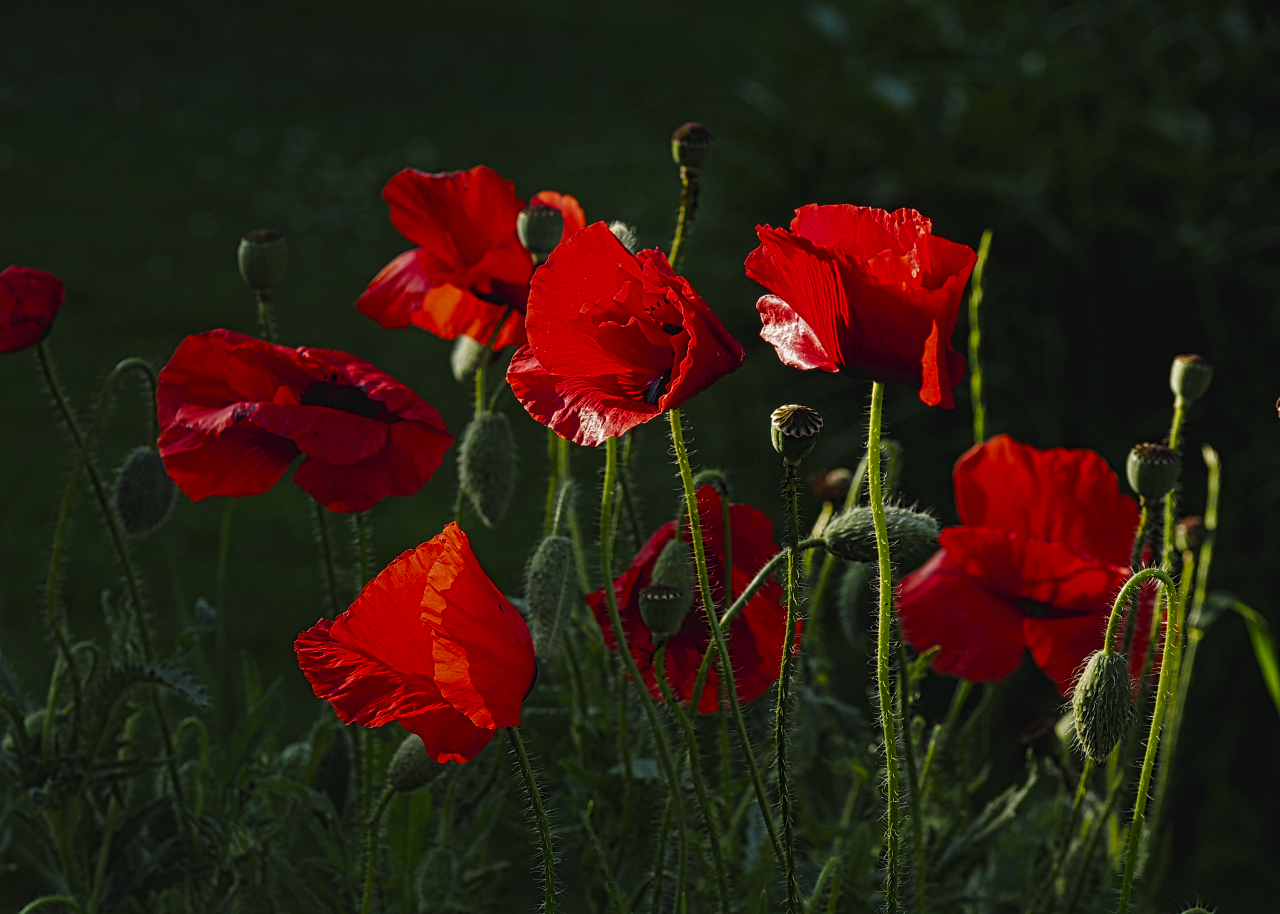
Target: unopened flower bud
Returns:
[[675, 567], [144, 492], [487, 466], [663, 608], [552, 590], [1189, 377], [690, 143], [853, 599], [626, 236], [1189, 533], [833, 486], [794, 430], [1102, 704], [1152, 470], [263, 258], [465, 357], [540, 228], [411, 767], [852, 534], [714, 478]]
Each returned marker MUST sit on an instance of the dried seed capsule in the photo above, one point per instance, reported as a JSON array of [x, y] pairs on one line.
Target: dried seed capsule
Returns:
[[263, 257], [690, 144], [794, 430], [487, 466], [1102, 704], [1189, 377], [411, 767], [552, 590], [852, 534], [663, 608], [1152, 470], [540, 228], [144, 492]]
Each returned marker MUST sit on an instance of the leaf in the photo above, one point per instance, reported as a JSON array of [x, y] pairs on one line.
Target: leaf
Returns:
[[181, 681], [1264, 645]]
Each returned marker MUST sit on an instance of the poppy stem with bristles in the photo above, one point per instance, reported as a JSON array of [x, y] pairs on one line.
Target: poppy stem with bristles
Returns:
[[688, 207], [795, 901], [540, 815], [371, 853], [326, 556], [975, 341]]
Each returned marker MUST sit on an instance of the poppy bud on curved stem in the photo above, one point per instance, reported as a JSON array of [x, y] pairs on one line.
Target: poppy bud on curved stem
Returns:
[[144, 492], [852, 534], [411, 767], [1152, 470], [487, 466], [552, 590], [663, 608], [1102, 704], [794, 430], [540, 228], [1189, 377]]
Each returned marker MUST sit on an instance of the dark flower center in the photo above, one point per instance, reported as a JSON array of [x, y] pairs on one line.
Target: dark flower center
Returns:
[[1037, 610], [653, 393], [346, 398]]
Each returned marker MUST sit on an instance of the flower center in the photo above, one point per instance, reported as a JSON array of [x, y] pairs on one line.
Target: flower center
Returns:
[[348, 399]]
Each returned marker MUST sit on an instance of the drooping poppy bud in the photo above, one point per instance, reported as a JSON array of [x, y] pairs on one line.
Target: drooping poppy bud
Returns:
[[144, 492], [663, 608], [552, 590], [1189, 533], [690, 144], [487, 466], [852, 599], [1189, 377], [852, 534], [411, 767], [465, 358], [794, 430], [540, 228], [1152, 470], [675, 567], [1102, 704], [263, 257]]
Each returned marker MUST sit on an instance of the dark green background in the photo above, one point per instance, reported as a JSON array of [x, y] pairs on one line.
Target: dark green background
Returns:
[[1125, 153]]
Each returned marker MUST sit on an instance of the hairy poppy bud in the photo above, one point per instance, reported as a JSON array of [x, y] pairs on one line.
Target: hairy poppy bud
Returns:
[[852, 600], [263, 258], [675, 567], [690, 143], [487, 466], [1189, 533], [852, 534], [1189, 377], [626, 236], [1152, 470], [552, 589], [540, 227], [663, 608], [144, 492], [465, 358], [714, 478], [833, 486], [1102, 704], [411, 767], [794, 430]]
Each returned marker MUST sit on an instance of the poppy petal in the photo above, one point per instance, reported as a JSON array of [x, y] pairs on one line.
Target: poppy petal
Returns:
[[239, 461], [29, 300], [794, 340]]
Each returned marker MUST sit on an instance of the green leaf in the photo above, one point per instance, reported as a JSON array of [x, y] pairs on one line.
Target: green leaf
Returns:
[[1264, 645]]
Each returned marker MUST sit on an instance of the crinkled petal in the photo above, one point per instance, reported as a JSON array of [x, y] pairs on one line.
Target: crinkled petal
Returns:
[[794, 340], [238, 462], [412, 454]]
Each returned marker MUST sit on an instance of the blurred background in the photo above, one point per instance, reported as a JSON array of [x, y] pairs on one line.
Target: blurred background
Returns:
[[1124, 153]]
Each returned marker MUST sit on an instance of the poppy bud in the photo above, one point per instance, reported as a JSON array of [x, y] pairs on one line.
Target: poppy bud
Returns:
[[714, 478], [487, 466], [552, 589], [540, 228], [1189, 377], [852, 534], [263, 258], [411, 767], [144, 491], [1189, 533], [465, 358], [852, 599], [1102, 704], [690, 143], [794, 430], [663, 608], [1152, 470], [833, 486], [675, 567], [626, 236]]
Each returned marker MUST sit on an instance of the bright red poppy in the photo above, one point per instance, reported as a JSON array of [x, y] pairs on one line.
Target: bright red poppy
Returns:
[[857, 288], [430, 642], [469, 266], [1043, 551], [755, 636], [29, 299], [615, 339], [236, 410]]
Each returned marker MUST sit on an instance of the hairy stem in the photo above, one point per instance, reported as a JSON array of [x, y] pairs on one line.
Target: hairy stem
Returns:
[[975, 341], [371, 851], [543, 823], [794, 899]]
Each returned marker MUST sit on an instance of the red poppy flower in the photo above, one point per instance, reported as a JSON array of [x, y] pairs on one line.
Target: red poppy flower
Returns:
[[236, 410], [860, 288], [29, 299], [430, 642], [615, 339], [755, 636], [469, 266], [1043, 551]]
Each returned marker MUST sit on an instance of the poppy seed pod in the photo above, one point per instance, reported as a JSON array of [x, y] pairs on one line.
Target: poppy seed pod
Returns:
[[465, 358], [663, 608], [263, 257], [1189, 377], [411, 767], [852, 534], [1152, 470], [540, 227], [1189, 533], [552, 590], [794, 430], [1102, 704], [675, 567], [690, 144], [144, 492], [487, 466]]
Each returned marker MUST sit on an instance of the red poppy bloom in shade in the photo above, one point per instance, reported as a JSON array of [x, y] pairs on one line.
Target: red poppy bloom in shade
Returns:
[[615, 339], [469, 266], [29, 299], [861, 288], [1043, 551], [755, 636], [430, 642], [236, 410]]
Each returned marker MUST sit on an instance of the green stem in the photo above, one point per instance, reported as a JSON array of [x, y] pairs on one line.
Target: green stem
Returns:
[[884, 627], [266, 320], [1130, 587], [610, 883], [689, 187], [366, 737], [362, 548], [326, 554], [913, 795], [1081, 790], [941, 733], [371, 852], [794, 900], [540, 814], [660, 859], [975, 341], [553, 480], [51, 899], [484, 360], [1093, 831], [1139, 538]]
